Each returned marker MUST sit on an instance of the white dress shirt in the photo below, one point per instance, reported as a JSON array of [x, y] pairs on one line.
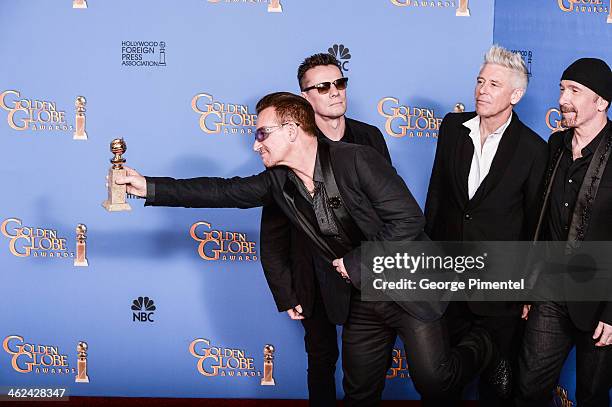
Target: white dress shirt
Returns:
[[483, 156]]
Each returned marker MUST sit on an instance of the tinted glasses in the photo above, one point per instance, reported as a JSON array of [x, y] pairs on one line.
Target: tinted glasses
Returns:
[[262, 133], [324, 87]]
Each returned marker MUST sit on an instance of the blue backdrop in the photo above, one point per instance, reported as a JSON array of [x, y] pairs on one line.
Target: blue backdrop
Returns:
[[179, 83]]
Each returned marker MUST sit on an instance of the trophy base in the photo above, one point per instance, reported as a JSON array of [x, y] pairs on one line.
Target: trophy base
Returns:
[[77, 136], [79, 5], [116, 207], [79, 380], [268, 382], [609, 21], [278, 9], [82, 263], [465, 13]]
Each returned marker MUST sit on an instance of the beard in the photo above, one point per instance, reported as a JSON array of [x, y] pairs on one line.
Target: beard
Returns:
[[571, 120]]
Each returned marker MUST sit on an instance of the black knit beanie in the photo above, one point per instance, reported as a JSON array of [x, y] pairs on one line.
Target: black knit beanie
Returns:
[[593, 73]]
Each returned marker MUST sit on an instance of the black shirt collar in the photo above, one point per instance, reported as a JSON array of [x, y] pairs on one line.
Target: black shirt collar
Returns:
[[590, 148], [347, 137]]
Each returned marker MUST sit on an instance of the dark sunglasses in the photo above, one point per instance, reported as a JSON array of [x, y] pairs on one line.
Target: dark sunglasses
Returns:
[[324, 87], [262, 133]]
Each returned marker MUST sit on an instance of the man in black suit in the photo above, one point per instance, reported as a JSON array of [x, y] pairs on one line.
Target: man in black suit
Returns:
[[285, 256], [485, 186], [577, 207], [339, 195]]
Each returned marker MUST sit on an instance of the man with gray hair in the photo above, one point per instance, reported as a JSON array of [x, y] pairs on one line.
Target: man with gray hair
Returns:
[[485, 186]]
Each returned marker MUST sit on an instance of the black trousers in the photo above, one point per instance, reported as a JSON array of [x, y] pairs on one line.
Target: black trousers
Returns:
[[437, 369], [549, 337], [322, 348], [506, 331]]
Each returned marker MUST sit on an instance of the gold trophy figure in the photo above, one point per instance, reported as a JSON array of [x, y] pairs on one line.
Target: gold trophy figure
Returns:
[[79, 3], [462, 9], [80, 133], [459, 108], [82, 363], [81, 247], [117, 193], [275, 7], [609, 20], [268, 379]]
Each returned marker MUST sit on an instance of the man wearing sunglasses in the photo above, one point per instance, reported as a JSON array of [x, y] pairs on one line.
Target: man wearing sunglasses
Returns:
[[297, 289], [361, 197]]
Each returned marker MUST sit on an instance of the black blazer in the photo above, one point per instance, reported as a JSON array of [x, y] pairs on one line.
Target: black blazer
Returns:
[[375, 196], [586, 315], [504, 207], [285, 252]]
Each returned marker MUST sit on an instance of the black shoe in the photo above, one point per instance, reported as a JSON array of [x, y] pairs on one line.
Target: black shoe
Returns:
[[499, 376]]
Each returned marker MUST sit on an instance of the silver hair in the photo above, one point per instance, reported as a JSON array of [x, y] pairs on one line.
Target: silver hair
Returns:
[[512, 60]]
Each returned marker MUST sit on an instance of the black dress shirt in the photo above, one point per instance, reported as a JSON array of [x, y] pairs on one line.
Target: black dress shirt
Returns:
[[316, 208], [566, 185]]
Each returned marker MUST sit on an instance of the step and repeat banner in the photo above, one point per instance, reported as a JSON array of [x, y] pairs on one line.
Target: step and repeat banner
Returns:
[[168, 302]]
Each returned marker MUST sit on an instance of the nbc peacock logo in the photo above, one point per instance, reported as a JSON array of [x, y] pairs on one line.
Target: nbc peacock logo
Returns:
[[342, 54], [143, 308]]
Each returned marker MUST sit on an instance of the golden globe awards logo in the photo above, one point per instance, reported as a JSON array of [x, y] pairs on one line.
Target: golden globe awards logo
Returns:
[[587, 6], [28, 241], [399, 367], [32, 114], [460, 6], [39, 359], [222, 361], [221, 117], [553, 119], [403, 120], [222, 245]]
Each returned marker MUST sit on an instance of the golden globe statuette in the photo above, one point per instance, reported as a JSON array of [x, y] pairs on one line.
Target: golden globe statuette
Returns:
[[81, 376], [462, 9], [117, 193], [81, 246], [459, 108], [268, 379], [79, 3], [275, 7], [79, 132]]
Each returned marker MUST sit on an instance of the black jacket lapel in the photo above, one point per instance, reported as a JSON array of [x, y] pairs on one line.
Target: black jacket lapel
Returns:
[[464, 151], [588, 191], [335, 200], [307, 227]]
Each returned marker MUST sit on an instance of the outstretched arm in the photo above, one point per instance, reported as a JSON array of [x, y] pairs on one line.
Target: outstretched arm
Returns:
[[203, 192]]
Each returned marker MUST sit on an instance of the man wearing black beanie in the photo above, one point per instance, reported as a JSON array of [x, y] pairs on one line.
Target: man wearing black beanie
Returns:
[[577, 207]]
